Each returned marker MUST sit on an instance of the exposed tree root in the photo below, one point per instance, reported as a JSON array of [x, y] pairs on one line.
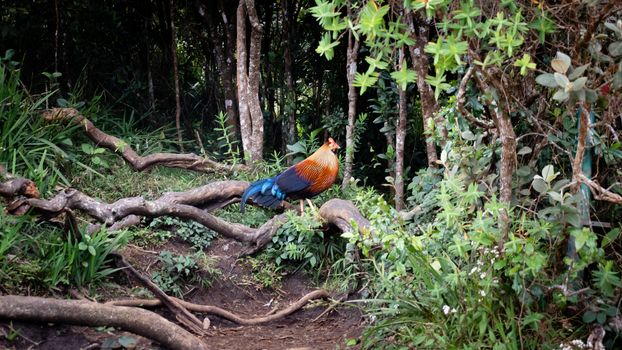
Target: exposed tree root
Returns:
[[194, 205], [184, 205], [181, 314], [173, 160], [86, 313], [214, 310]]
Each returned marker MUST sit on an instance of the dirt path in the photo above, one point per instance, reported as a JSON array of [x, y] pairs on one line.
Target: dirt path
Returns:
[[231, 291]]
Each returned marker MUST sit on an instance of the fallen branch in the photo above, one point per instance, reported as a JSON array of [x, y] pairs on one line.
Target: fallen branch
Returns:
[[181, 314], [341, 213], [101, 139], [185, 205], [86, 313], [214, 310]]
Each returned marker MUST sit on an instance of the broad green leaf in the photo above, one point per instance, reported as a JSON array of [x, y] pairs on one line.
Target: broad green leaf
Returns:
[[556, 196], [581, 237], [577, 72], [561, 79], [579, 84], [540, 185], [589, 316], [548, 173], [546, 79], [524, 150], [86, 148]]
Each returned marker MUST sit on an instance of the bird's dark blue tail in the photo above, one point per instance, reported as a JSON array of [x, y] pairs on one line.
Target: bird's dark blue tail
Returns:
[[262, 193]]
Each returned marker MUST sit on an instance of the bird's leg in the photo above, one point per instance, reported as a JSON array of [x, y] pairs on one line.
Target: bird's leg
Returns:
[[302, 207]]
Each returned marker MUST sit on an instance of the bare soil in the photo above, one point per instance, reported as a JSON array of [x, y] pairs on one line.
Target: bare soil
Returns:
[[233, 290]]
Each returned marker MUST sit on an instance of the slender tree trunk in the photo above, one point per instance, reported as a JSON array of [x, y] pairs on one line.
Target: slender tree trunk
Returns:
[[290, 95], [352, 55], [400, 138], [176, 76], [429, 107], [251, 117], [147, 62], [254, 79], [222, 44]]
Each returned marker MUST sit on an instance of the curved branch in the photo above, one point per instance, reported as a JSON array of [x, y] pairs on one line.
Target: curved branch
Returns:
[[181, 314], [215, 310], [82, 312], [173, 160], [186, 205], [341, 213], [460, 102]]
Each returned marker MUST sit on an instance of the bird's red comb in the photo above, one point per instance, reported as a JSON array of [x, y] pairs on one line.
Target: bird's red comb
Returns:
[[332, 143]]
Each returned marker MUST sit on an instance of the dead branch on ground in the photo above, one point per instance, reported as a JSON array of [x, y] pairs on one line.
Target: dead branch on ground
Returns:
[[183, 205], [86, 313], [181, 313], [188, 161]]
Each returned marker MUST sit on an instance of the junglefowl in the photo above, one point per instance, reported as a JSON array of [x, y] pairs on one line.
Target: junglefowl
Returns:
[[306, 179]]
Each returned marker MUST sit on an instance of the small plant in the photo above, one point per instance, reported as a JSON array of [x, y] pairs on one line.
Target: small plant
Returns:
[[178, 270], [197, 235], [93, 153], [226, 142], [83, 262], [264, 271]]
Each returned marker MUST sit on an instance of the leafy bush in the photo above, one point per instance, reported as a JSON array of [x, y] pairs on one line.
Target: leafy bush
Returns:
[[28, 261], [82, 262], [300, 240], [454, 279]]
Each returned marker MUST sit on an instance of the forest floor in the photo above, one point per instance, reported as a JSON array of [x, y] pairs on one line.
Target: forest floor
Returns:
[[233, 289]]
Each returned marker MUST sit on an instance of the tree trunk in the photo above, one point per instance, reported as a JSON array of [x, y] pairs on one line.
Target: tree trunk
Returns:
[[290, 94], [400, 137], [222, 43], [352, 55], [429, 107], [176, 76], [251, 117]]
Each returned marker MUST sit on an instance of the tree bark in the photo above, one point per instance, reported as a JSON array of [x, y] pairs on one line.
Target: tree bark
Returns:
[[251, 116], [352, 56], [400, 138], [222, 44], [289, 107], [86, 313], [429, 107], [176, 75]]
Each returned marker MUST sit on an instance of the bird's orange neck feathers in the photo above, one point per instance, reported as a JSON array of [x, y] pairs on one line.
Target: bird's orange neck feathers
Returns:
[[325, 157]]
